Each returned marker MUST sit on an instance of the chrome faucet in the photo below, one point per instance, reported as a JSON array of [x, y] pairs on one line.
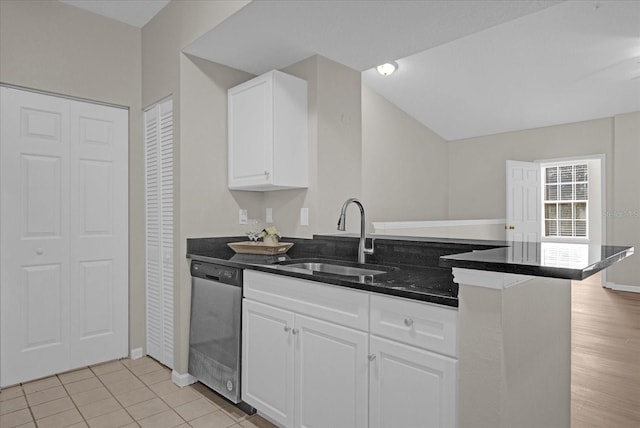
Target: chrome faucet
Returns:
[[342, 223]]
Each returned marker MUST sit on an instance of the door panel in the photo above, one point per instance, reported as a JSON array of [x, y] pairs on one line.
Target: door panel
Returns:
[[96, 182], [41, 193], [96, 299], [41, 300]]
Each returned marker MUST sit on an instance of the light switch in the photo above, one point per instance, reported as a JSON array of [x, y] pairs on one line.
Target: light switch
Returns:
[[242, 216], [304, 216], [269, 216]]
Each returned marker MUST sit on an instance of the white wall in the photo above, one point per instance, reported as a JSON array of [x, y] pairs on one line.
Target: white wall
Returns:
[[174, 27], [492, 229], [50, 46], [334, 150], [404, 164], [624, 213]]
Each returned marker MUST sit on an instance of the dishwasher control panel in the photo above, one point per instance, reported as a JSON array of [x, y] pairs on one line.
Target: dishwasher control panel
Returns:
[[215, 272]]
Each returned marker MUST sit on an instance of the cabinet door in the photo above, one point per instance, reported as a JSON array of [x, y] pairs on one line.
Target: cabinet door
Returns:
[[410, 387], [251, 133], [267, 365], [331, 375]]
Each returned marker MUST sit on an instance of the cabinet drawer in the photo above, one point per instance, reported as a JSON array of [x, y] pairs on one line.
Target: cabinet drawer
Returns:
[[331, 303], [419, 324]]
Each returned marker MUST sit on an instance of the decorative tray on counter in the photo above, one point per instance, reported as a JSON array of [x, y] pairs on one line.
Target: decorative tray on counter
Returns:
[[249, 247]]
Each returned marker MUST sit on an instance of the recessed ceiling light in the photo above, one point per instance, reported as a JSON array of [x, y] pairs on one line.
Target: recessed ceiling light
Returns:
[[387, 69]]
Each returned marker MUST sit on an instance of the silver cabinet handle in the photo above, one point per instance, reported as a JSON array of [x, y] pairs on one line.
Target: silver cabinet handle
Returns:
[[408, 322], [372, 357], [287, 329], [294, 331], [40, 251]]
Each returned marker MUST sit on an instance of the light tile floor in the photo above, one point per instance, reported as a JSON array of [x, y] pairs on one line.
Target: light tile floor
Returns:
[[124, 393]]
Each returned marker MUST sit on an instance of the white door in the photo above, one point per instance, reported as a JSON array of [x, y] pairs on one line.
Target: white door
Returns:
[[34, 289], [158, 122], [99, 245], [331, 368], [63, 219], [410, 387], [267, 360], [523, 201]]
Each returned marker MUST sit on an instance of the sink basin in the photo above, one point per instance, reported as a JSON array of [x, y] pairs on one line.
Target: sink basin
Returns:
[[334, 269]]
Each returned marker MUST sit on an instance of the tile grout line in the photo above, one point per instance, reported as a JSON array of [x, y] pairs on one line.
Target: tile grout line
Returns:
[[70, 398], [24, 393], [156, 394], [112, 394], [160, 397]]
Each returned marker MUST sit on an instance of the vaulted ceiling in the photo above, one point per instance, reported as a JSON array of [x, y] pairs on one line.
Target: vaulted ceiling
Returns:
[[466, 68]]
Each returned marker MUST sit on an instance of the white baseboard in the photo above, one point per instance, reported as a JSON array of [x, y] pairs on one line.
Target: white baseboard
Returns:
[[622, 287], [136, 353], [182, 379]]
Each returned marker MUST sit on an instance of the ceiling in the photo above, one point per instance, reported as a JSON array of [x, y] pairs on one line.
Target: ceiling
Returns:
[[466, 68], [132, 12]]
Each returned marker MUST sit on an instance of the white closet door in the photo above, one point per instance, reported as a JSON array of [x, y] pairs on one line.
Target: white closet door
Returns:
[[34, 204], [159, 231], [99, 233], [59, 298]]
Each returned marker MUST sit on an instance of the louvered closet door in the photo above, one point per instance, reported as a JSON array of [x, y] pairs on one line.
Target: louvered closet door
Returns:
[[159, 231], [63, 221]]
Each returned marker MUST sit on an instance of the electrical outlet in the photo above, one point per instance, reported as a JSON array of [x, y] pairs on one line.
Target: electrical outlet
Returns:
[[242, 216], [269, 216], [304, 216]]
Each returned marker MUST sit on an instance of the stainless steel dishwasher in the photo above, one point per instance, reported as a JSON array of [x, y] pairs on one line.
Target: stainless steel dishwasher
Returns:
[[215, 333]]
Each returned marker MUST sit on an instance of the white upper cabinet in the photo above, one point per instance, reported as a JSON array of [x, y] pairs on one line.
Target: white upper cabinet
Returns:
[[268, 133]]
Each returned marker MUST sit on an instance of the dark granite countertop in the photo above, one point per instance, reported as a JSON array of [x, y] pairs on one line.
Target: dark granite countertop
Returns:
[[414, 272], [426, 284], [555, 260], [420, 268]]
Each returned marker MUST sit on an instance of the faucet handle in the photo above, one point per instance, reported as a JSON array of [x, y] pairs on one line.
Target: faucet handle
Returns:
[[368, 250]]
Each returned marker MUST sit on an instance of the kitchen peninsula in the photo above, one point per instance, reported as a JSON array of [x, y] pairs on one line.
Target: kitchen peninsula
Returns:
[[512, 324]]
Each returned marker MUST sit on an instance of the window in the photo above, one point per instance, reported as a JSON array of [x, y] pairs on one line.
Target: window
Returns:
[[566, 194]]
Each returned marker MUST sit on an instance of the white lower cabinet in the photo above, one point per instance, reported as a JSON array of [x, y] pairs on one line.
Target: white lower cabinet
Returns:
[[303, 372], [267, 360], [311, 358], [410, 387], [331, 370]]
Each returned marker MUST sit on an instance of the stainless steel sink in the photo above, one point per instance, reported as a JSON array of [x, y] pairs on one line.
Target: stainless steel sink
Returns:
[[335, 269], [317, 266]]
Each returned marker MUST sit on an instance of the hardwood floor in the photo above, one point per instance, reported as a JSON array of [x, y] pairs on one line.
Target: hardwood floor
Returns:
[[605, 385]]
